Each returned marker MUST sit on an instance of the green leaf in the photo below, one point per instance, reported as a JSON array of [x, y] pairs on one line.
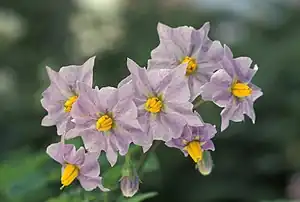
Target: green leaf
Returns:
[[20, 171], [151, 164], [112, 176], [138, 197]]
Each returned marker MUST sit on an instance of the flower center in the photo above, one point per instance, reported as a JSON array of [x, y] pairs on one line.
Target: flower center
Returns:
[[240, 90], [68, 104], [153, 105], [191, 65], [69, 174], [194, 150], [104, 123]]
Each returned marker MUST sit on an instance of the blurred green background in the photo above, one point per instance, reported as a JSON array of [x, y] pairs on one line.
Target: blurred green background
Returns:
[[255, 163]]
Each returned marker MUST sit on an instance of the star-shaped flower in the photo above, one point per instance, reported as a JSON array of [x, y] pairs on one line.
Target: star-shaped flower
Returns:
[[62, 93]]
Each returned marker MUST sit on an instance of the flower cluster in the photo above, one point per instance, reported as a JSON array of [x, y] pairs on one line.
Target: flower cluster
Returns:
[[156, 102]]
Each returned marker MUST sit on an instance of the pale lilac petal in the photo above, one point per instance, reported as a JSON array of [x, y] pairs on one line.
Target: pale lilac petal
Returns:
[[94, 141], [195, 83], [248, 109], [57, 151], [59, 82], [208, 145], [108, 97], [222, 98], [222, 78], [256, 92], [200, 40], [90, 166], [163, 78], [173, 125], [125, 110], [181, 36], [121, 142], [62, 125], [126, 80], [158, 131], [243, 69], [48, 121], [125, 91], [77, 157], [215, 52], [111, 154], [82, 73], [208, 90], [89, 183], [139, 77], [227, 62], [227, 114], [178, 88], [88, 101], [185, 111]]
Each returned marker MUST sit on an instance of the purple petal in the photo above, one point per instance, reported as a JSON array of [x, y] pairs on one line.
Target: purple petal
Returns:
[[88, 101], [82, 73], [248, 109], [108, 97], [222, 98], [125, 110], [222, 78], [89, 183], [173, 125], [243, 69], [200, 40], [126, 80], [227, 62], [121, 142], [256, 92], [94, 141], [178, 88], [59, 82], [90, 166], [230, 113], [48, 121], [111, 154], [181, 36], [77, 157], [185, 111], [58, 150], [139, 78], [208, 145], [125, 91]]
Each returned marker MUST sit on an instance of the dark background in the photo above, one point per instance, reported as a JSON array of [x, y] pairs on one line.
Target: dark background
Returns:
[[255, 163]]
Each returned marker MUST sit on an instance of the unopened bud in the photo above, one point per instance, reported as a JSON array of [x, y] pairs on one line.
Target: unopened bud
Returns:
[[130, 181], [129, 185], [206, 164]]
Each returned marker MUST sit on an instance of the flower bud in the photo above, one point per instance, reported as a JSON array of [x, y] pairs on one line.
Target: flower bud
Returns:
[[129, 185], [130, 181], [206, 164]]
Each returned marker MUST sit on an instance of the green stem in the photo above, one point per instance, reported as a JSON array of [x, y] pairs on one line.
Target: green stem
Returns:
[[145, 156], [106, 199]]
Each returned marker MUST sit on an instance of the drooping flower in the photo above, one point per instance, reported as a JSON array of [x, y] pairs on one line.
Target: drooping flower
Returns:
[[186, 45], [162, 98], [77, 165], [62, 93], [106, 120], [194, 141], [231, 89]]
